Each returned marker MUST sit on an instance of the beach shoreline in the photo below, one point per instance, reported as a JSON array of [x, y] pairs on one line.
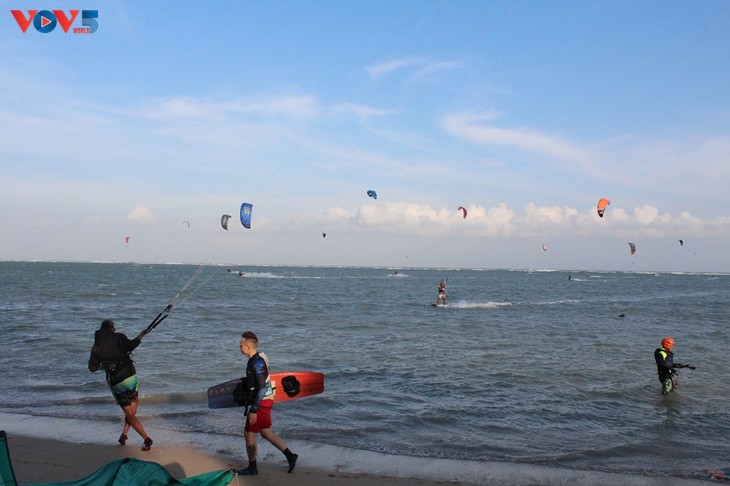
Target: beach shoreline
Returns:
[[49, 460], [42, 459]]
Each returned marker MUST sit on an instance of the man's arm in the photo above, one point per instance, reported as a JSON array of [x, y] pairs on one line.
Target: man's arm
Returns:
[[261, 373]]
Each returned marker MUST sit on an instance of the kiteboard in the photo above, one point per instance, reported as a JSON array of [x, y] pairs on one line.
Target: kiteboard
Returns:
[[287, 385], [719, 474]]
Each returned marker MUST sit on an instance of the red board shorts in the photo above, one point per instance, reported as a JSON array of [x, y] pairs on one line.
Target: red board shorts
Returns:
[[263, 417]]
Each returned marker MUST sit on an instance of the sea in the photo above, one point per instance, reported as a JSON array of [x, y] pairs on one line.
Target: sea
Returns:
[[532, 370]]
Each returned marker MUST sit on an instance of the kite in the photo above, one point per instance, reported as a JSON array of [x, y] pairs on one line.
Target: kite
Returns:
[[601, 208], [372, 194], [224, 221], [126, 239], [463, 212], [187, 223], [681, 243], [246, 209], [544, 247], [633, 248], [324, 235]]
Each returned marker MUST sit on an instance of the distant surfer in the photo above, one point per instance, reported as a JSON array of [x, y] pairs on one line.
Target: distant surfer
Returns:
[[666, 367], [441, 299], [112, 353], [261, 402], [240, 273]]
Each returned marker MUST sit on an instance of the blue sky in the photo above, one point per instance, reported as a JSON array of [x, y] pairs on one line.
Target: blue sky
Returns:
[[524, 112]]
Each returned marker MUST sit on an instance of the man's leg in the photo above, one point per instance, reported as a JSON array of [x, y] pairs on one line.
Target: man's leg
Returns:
[[667, 386], [277, 442], [252, 469], [130, 417]]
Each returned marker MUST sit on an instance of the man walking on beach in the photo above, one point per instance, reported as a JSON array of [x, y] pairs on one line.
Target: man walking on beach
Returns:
[[111, 352], [261, 401]]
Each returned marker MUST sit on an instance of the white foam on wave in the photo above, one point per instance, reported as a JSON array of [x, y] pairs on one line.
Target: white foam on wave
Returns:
[[260, 275], [554, 302], [476, 305]]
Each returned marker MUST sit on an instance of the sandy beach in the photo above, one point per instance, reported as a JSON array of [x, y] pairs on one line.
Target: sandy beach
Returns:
[[48, 460]]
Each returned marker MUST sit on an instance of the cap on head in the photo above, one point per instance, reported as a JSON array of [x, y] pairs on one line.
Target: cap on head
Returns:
[[667, 343]]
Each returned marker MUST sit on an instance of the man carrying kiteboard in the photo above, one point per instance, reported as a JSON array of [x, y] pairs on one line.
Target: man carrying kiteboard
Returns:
[[261, 401]]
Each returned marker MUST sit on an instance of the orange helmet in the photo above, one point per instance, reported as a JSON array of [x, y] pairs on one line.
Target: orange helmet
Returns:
[[667, 343]]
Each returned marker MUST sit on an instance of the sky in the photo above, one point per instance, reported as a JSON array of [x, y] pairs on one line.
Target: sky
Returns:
[[525, 113]]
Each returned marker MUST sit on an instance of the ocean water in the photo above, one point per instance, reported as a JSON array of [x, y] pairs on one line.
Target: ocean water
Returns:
[[548, 368]]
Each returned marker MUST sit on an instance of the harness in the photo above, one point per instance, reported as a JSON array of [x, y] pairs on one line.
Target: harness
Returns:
[[112, 366]]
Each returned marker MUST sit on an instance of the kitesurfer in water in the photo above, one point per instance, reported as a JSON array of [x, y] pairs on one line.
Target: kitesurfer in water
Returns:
[[261, 402], [112, 353], [666, 367], [441, 299]]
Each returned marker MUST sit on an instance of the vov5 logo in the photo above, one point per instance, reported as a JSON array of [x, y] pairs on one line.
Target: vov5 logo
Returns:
[[45, 21]]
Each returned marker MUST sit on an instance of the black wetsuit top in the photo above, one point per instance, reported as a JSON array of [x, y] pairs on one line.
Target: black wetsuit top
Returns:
[[257, 372], [664, 363], [111, 353]]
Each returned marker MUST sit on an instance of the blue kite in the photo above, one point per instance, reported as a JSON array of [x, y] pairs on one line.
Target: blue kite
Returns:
[[246, 209]]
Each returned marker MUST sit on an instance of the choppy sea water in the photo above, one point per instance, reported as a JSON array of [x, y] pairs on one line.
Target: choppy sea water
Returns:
[[524, 367]]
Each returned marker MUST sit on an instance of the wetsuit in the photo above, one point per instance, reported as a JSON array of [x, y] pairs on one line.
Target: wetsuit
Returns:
[[665, 369], [111, 353], [258, 382]]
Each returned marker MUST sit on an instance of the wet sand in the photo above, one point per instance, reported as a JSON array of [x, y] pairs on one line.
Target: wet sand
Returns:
[[48, 460]]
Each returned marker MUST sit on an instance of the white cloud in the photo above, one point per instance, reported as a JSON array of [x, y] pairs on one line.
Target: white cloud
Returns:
[[140, 215], [430, 71], [409, 219], [423, 69], [186, 107], [359, 111], [471, 129], [546, 215], [385, 68], [645, 214]]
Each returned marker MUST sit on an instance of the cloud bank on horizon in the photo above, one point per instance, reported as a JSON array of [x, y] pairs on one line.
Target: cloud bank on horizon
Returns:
[[455, 104]]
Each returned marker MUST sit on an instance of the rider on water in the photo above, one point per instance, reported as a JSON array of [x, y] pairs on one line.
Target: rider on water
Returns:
[[441, 299]]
